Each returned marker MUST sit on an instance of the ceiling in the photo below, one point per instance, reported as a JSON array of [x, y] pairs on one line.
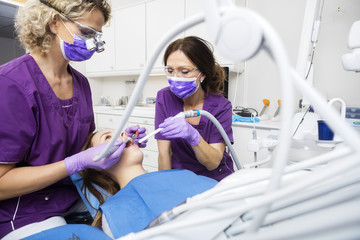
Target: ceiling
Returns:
[[7, 15]]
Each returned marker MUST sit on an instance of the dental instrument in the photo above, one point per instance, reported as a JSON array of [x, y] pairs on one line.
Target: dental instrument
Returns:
[[278, 109], [133, 137], [254, 139], [266, 106], [180, 114], [150, 135]]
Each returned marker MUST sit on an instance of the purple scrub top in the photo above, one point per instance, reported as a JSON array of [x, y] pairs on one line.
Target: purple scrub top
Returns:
[[37, 128], [183, 156]]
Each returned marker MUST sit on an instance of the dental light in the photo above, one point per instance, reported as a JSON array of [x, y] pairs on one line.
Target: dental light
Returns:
[[238, 34]]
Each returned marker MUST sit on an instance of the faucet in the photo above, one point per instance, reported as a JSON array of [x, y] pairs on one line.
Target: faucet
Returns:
[[343, 106], [342, 113]]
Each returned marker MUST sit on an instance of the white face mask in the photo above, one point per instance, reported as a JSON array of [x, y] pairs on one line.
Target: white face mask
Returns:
[[183, 87]]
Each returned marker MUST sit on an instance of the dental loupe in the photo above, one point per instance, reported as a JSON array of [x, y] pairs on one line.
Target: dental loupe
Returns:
[[95, 44], [239, 34]]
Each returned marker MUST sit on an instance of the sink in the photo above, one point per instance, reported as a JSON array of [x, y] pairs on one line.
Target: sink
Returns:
[[122, 107], [145, 105], [119, 107], [305, 149]]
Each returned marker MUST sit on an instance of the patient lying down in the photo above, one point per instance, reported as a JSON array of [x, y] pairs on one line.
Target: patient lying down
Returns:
[[137, 197]]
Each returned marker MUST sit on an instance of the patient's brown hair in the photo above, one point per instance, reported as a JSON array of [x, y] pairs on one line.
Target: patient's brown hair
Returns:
[[101, 179]]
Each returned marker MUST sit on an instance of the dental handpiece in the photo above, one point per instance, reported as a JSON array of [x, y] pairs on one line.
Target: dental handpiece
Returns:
[[186, 114], [149, 135], [133, 137]]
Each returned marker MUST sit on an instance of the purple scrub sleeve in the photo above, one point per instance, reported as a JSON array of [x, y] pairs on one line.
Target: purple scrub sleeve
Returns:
[[37, 128], [183, 156]]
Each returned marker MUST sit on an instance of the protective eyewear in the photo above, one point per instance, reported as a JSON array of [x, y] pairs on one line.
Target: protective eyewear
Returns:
[[91, 36], [182, 71]]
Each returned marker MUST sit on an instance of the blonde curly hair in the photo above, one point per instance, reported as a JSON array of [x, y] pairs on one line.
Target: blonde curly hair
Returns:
[[33, 19]]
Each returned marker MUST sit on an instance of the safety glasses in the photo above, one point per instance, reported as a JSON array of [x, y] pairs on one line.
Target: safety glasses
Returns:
[[183, 71], [91, 36]]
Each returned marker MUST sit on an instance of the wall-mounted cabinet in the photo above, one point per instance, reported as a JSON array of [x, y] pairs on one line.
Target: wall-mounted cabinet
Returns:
[[134, 31], [104, 62], [161, 16], [130, 38]]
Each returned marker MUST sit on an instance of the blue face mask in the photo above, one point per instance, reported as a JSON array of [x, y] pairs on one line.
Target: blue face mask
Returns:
[[76, 51], [183, 87]]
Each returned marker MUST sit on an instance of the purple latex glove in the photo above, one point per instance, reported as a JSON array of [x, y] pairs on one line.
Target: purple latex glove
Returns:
[[180, 128], [130, 131], [84, 159]]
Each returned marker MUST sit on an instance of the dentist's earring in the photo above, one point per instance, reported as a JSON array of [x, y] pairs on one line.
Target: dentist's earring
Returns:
[[235, 31]]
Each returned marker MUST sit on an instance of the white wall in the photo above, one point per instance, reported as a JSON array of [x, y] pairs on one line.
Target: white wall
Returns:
[[329, 76]]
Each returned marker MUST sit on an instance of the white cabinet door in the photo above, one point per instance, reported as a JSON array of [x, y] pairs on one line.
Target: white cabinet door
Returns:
[[150, 161], [104, 61], [107, 121], [161, 16], [130, 38]]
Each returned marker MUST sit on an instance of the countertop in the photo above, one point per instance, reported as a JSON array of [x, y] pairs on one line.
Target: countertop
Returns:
[[264, 124], [138, 111], [148, 111]]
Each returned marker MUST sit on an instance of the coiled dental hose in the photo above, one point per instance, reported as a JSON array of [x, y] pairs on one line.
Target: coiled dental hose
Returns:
[[196, 113]]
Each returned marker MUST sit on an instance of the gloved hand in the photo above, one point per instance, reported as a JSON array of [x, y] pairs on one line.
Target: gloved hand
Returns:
[[180, 128], [130, 131], [84, 159]]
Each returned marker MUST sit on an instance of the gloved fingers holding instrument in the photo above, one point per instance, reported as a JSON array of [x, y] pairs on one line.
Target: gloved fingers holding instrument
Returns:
[[180, 128], [84, 160], [139, 131]]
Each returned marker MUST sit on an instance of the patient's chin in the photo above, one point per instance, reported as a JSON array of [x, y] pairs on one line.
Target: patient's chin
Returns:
[[132, 154]]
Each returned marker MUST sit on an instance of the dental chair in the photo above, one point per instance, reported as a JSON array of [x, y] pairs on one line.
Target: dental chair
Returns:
[[70, 232], [146, 197]]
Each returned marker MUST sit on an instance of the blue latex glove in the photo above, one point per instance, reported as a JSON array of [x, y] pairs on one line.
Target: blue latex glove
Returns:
[[84, 159], [180, 128], [130, 131]]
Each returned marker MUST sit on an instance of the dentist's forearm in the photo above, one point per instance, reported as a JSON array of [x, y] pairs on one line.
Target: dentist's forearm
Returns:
[[209, 155], [16, 181]]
